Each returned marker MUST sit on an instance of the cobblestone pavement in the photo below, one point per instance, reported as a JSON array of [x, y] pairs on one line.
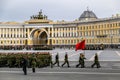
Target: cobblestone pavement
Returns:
[[58, 73], [109, 60]]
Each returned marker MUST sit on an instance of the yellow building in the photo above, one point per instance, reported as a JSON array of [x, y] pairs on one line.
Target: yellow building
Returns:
[[39, 31]]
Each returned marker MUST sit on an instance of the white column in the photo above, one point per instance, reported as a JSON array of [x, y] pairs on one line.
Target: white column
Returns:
[[55, 32], [3, 32], [6, 32], [22, 33], [0, 32], [52, 32], [19, 32], [12, 32], [49, 32], [67, 32], [9, 32], [16, 32], [73, 32], [58, 32], [76, 32]]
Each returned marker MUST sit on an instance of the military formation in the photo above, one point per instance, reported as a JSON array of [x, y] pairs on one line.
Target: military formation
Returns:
[[81, 61], [34, 60]]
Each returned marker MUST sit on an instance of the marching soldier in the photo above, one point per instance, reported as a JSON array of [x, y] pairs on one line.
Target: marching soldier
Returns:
[[34, 60], [83, 61], [56, 60], [51, 63], [66, 60], [96, 61], [80, 60], [24, 64]]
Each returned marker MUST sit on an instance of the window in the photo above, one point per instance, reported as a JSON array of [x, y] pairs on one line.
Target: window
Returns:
[[63, 41], [56, 41], [68, 41], [20, 42], [119, 24], [74, 41], [54, 35], [1, 35], [4, 35]]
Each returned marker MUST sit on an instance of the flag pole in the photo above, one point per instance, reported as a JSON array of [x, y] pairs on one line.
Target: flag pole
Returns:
[[84, 52]]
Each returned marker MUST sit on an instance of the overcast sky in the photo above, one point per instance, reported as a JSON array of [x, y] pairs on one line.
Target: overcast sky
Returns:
[[69, 10]]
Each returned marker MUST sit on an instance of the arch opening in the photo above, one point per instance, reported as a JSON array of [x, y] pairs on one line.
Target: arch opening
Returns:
[[39, 37]]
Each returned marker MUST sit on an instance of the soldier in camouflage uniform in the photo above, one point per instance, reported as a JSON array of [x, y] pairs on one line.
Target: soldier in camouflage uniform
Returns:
[[80, 61], [51, 63], [83, 58], [96, 61], [66, 60], [56, 60], [25, 64]]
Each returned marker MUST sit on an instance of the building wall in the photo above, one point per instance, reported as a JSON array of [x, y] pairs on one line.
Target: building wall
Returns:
[[100, 33], [64, 33], [12, 35]]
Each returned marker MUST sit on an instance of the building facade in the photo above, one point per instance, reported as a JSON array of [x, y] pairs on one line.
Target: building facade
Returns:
[[39, 31]]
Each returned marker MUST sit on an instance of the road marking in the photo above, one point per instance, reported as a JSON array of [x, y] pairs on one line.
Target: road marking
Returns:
[[11, 71], [92, 58], [79, 73], [117, 53], [98, 73]]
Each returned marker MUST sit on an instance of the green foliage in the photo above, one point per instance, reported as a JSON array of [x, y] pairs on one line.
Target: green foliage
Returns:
[[15, 59]]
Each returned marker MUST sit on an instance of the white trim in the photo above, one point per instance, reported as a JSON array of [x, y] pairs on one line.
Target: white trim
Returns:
[[38, 26], [85, 73]]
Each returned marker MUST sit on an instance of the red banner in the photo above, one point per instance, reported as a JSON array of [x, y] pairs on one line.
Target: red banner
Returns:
[[80, 45]]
